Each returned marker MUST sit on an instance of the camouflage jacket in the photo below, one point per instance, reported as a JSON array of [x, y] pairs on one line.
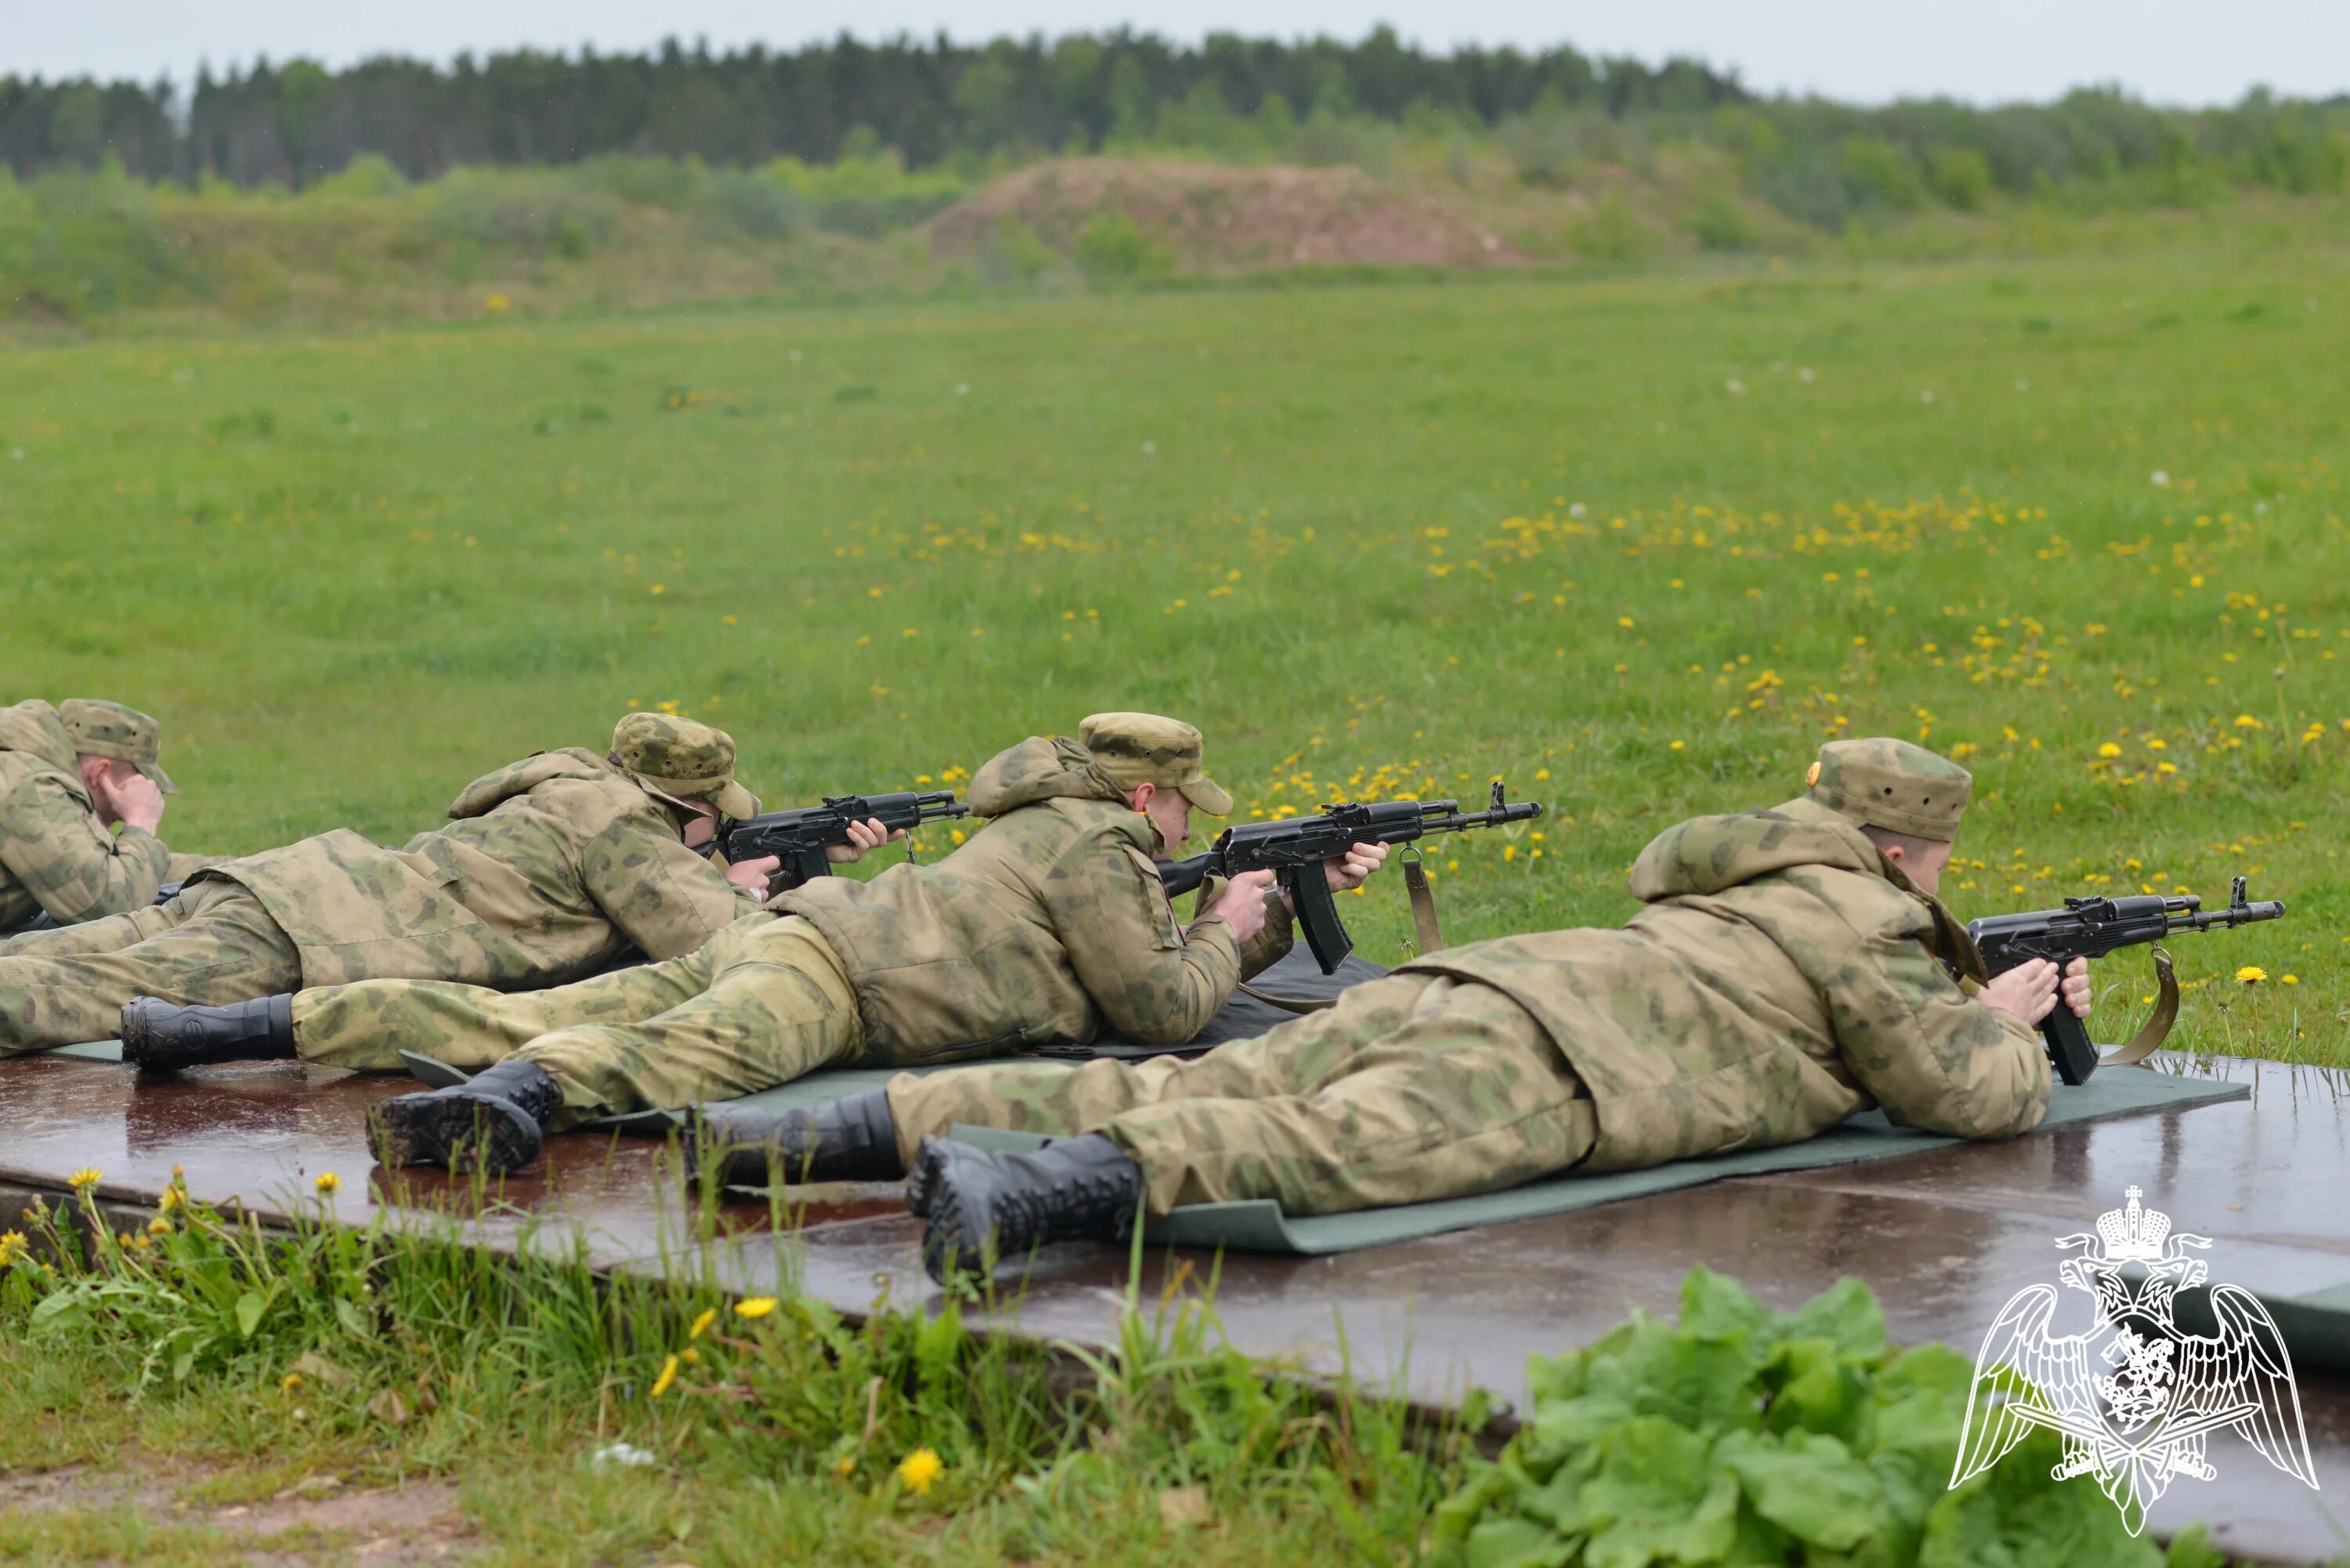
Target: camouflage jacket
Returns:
[[552, 869], [56, 856], [1049, 922], [1783, 976]]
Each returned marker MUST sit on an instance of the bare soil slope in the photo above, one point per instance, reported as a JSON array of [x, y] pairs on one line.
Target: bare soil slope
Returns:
[[1219, 217]]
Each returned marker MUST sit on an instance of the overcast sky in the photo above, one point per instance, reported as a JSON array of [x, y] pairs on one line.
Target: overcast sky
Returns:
[[1869, 51]]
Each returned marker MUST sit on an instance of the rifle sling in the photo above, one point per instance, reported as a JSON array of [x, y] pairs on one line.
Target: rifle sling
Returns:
[[1429, 934], [2158, 1025], [1425, 930]]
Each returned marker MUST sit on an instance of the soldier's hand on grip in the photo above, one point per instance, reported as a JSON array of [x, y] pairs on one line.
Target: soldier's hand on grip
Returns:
[[862, 836], [2027, 990], [1241, 905], [1349, 871]]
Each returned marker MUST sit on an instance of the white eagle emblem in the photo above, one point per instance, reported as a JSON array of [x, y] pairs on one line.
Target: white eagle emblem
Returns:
[[2145, 1420]]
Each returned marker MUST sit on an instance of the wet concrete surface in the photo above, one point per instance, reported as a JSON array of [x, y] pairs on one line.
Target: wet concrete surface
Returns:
[[1944, 1237]]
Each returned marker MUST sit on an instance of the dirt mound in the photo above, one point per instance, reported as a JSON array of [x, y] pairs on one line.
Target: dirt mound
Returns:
[[1219, 217]]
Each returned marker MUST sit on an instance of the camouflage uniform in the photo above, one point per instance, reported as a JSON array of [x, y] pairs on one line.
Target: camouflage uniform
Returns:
[[1783, 976], [554, 868], [1049, 922], [56, 857]]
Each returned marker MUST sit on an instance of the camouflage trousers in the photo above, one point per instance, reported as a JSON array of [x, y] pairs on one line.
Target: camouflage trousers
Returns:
[[1412, 1089], [214, 943], [762, 1003]]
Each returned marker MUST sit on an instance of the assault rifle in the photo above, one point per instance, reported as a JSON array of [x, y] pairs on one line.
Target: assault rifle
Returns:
[[1293, 851], [2092, 927], [799, 836]]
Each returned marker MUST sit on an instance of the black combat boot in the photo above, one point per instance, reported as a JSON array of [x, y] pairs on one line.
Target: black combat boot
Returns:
[[981, 1207], [158, 1036], [851, 1139], [498, 1116]]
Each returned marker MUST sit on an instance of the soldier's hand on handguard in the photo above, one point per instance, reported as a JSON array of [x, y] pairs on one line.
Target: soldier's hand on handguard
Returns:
[[1242, 904], [862, 836], [2029, 990], [123, 794], [755, 874], [1351, 870]]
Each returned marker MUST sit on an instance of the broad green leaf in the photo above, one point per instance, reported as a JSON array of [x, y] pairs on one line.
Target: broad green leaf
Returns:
[[1715, 1306], [1698, 1383], [1846, 1313], [354, 1322], [1516, 1543], [1656, 1499], [1808, 1485], [249, 1308], [1819, 1391]]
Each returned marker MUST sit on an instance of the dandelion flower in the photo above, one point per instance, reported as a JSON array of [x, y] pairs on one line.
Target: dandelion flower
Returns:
[[2109, 750], [920, 1470], [328, 1184], [668, 1377], [845, 1466], [12, 1248], [158, 1226], [754, 1307], [2290, 979], [702, 1324], [2251, 974], [290, 1382], [88, 1176]]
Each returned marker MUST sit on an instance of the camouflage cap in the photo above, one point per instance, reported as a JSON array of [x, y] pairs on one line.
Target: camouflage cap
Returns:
[[1885, 783], [682, 760], [1143, 748], [110, 730]]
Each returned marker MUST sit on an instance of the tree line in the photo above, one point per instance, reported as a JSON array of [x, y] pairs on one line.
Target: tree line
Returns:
[[294, 124]]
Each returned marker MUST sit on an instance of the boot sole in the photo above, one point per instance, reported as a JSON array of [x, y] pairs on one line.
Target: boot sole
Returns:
[[948, 1244], [431, 1129]]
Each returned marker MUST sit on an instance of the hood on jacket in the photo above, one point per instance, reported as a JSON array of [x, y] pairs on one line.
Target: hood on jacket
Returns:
[[1710, 853], [35, 729], [1039, 768], [489, 791]]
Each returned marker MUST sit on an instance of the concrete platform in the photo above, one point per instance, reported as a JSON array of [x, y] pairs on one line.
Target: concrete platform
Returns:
[[1944, 1237]]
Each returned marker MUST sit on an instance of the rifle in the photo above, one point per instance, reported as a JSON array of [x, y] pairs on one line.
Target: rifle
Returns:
[[2092, 927], [799, 836], [1293, 851]]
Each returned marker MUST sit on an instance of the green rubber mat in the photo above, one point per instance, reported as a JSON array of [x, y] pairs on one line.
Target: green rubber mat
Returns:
[[90, 1050], [1260, 1226]]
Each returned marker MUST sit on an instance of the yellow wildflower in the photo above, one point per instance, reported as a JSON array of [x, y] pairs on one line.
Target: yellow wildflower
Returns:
[[158, 1226], [845, 1466], [754, 1307], [88, 1176], [290, 1382], [2109, 750], [2292, 980], [2251, 974], [668, 1377], [327, 1183], [12, 1247], [702, 1324], [920, 1470]]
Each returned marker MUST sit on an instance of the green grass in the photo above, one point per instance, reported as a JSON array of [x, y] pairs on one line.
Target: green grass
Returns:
[[1381, 539]]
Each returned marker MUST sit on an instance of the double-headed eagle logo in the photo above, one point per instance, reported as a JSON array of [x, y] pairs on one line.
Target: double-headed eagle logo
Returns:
[[2135, 1397]]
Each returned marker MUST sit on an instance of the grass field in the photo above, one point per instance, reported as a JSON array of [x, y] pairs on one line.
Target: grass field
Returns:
[[1636, 546]]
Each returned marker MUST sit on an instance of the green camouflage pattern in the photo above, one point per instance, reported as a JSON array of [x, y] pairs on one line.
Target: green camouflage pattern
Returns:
[[682, 759], [1050, 923], [1893, 785], [1778, 981], [213, 944], [764, 1002], [1144, 748], [1783, 977], [101, 729], [1412, 1087], [551, 868], [55, 855]]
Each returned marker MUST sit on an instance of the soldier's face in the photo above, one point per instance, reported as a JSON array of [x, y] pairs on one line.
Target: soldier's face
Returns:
[[1925, 867], [1170, 809]]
